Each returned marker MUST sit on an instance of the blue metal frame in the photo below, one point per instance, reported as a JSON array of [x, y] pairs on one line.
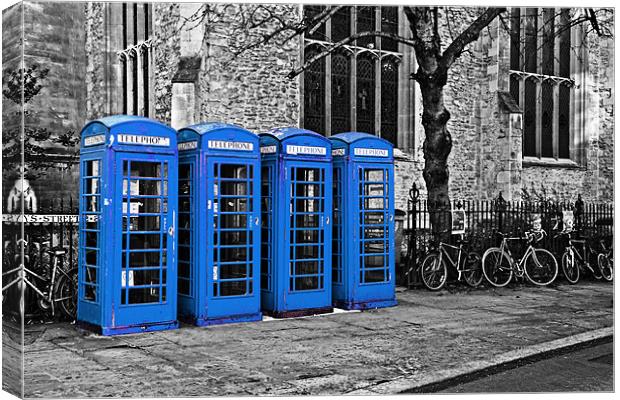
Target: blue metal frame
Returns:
[[220, 218], [363, 238], [128, 210], [188, 171], [296, 234]]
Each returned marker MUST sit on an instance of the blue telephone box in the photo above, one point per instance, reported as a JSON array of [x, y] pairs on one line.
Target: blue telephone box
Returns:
[[128, 209], [296, 206], [219, 224], [363, 230]]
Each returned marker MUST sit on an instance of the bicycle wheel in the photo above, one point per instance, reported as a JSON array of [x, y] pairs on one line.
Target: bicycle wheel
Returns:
[[496, 267], [541, 267], [606, 267], [570, 268], [473, 269], [434, 272], [65, 294]]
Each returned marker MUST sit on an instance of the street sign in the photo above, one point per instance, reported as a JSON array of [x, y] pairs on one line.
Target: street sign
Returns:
[[42, 218]]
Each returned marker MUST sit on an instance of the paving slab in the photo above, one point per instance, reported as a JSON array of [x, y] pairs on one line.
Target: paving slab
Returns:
[[428, 337]]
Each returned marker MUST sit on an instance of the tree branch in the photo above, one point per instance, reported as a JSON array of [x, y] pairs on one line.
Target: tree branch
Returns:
[[436, 36], [264, 39], [412, 18], [345, 41], [467, 36], [327, 16], [594, 21], [285, 29]]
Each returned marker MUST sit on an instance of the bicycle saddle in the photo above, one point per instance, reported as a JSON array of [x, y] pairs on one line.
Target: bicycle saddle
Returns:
[[57, 251]]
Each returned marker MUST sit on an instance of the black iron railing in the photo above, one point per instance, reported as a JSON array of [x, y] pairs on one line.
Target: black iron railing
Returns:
[[593, 221], [54, 226]]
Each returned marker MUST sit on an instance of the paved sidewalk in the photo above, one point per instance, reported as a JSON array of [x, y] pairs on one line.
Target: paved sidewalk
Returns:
[[428, 337]]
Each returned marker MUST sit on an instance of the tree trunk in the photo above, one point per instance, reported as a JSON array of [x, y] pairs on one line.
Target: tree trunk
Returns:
[[437, 147], [432, 75]]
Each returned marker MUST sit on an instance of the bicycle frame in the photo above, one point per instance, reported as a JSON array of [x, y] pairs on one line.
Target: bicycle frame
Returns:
[[454, 263], [516, 265], [581, 258], [24, 273], [607, 251], [575, 250]]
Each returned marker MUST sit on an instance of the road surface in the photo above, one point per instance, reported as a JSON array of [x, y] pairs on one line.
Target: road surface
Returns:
[[584, 370]]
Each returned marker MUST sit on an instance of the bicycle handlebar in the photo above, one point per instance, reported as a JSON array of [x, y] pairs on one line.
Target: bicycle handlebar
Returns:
[[528, 235], [533, 236]]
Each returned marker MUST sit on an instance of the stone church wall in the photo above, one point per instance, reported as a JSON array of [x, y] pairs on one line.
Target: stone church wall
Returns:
[[252, 90]]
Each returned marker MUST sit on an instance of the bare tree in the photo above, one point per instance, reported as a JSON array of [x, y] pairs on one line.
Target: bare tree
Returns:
[[436, 50]]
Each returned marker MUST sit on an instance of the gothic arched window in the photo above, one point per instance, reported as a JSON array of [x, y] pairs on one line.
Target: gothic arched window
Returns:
[[389, 99], [540, 80], [136, 59], [350, 89], [366, 23], [365, 94], [314, 94], [389, 24], [341, 93]]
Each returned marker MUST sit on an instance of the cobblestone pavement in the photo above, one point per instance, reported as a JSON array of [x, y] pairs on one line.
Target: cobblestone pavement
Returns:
[[425, 335]]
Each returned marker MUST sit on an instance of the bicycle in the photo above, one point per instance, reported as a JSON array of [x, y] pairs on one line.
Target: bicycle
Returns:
[[538, 265], [607, 257], [575, 259], [56, 291], [434, 268]]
